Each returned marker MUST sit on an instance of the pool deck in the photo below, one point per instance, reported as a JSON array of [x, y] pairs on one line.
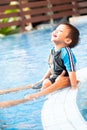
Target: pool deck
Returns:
[[75, 20]]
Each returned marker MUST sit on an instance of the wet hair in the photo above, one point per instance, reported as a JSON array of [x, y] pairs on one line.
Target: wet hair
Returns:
[[74, 35]]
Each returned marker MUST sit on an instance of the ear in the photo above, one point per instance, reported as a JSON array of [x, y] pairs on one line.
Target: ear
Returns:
[[68, 41]]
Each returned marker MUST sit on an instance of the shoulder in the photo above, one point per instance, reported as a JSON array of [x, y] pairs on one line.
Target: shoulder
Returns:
[[68, 55], [66, 51]]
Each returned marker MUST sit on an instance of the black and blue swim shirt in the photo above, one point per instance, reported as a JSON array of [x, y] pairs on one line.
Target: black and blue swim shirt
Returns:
[[63, 59]]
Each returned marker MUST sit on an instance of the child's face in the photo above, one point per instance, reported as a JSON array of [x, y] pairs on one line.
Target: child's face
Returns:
[[60, 34]]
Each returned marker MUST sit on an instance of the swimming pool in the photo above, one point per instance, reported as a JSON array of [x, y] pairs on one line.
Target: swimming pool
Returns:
[[23, 60]]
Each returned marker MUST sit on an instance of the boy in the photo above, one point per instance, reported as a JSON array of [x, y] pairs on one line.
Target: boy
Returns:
[[62, 61], [61, 72]]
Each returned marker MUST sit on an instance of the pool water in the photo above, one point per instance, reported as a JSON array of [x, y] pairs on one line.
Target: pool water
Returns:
[[23, 60]]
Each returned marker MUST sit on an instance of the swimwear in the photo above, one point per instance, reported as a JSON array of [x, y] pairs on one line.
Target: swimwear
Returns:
[[63, 59]]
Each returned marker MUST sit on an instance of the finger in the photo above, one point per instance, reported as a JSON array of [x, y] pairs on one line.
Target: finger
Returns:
[[63, 73]]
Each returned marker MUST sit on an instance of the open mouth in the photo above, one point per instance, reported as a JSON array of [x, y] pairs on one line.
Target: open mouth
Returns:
[[54, 35]]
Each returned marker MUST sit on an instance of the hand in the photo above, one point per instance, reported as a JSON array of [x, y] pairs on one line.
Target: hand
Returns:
[[63, 81], [75, 87]]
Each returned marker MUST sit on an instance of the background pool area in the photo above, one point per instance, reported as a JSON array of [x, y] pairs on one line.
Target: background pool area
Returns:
[[23, 60]]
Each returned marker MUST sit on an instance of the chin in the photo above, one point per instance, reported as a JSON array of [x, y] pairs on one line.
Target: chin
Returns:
[[52, 39]]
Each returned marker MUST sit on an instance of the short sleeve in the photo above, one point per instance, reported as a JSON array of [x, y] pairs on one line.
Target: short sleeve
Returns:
[[69, 59]]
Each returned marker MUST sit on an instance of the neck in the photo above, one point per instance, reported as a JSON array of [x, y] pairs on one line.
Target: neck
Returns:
[[57, 47]]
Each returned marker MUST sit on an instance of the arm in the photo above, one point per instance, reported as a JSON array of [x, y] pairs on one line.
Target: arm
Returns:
[[5, 91], [47, 75], [69, 60], [62, 82], [73, 80]]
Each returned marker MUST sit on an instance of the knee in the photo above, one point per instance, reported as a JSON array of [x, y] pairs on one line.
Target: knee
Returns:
[[46, 83]]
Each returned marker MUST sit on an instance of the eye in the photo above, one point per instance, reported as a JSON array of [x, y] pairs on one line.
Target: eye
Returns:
[[61, 30]]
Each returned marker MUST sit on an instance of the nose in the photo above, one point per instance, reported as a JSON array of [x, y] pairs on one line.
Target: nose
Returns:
[[54, 32]]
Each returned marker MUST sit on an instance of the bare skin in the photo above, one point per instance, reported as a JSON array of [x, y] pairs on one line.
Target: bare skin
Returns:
[[61, 39], [61, 83], [5, 91]]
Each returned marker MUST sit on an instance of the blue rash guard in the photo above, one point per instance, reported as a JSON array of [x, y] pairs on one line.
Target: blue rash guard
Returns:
[[63, 59]]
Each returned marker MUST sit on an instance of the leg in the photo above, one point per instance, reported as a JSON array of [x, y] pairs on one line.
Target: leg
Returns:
[[61, 82], [46, 83]]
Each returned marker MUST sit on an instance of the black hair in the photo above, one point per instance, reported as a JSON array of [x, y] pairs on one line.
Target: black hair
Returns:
[[74, 35]]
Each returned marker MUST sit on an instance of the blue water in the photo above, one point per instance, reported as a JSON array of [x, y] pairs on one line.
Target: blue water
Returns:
[[23, 60]]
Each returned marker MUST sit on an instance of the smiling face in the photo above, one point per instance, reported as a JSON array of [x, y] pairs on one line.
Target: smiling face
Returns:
[[61, 35]]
